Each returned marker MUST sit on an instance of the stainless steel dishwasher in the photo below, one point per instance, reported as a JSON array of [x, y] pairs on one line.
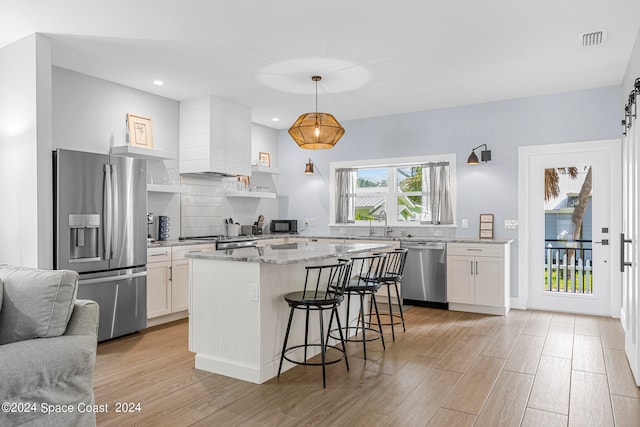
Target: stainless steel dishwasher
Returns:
[[425, 274]]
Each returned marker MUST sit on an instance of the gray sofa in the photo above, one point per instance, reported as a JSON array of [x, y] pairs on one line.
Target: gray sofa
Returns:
[[48, 345]]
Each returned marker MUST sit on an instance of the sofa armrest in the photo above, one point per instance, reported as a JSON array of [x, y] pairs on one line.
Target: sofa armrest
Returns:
[[84, 319]]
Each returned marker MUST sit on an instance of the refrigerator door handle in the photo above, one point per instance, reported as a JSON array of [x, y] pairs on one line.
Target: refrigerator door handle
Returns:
[[107, 230], [115, 212]]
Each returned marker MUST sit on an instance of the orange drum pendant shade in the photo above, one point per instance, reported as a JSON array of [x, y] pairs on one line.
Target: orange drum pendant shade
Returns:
[[316, 131]]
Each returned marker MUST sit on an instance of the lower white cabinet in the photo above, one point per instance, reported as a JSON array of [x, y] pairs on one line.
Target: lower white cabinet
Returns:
[[478, 277], [168, 282]]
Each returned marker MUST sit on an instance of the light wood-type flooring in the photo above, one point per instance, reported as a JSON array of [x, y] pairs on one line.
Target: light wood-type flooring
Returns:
[[529, 368]]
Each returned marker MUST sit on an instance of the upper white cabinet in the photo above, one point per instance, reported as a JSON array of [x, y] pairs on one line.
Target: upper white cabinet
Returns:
[[215, 136]]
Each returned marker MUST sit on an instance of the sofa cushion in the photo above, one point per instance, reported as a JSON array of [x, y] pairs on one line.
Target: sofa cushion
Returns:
[[37, 303]]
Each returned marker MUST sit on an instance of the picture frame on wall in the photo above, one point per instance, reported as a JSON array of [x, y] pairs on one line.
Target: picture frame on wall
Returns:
[[486, 226], [264, 159], [140, 132]]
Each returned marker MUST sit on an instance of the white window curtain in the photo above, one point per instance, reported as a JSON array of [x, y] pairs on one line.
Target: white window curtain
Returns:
[[346, 180], [436, 193]]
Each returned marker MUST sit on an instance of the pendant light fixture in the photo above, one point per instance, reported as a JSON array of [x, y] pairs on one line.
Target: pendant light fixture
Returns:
[[309, 168], [315, 131]]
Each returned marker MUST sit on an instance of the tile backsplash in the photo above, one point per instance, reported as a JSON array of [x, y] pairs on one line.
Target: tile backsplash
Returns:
[[201, 207]]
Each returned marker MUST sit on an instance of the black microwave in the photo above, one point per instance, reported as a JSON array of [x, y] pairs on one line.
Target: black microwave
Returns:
[[283, 226]]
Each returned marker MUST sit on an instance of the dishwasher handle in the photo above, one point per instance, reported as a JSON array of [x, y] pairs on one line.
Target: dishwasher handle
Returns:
[[423, 246]]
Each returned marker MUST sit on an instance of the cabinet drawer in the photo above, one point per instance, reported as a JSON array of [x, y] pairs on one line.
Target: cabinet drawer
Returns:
[[179, 252], [158, 254], [475, 249]]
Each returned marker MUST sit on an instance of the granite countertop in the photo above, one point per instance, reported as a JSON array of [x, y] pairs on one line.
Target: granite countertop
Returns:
[[169, 243], [290, 253], [417, 239]]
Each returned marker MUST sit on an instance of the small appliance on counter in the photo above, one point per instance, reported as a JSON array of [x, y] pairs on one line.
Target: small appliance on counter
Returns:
[[149, 225], [163, 227], [289, 226], [246, 230], [257, 226]]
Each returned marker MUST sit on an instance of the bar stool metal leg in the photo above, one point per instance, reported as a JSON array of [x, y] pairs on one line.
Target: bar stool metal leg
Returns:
[[373, 297], [323, 350], [286, 338], [342, 340], [395, 284]]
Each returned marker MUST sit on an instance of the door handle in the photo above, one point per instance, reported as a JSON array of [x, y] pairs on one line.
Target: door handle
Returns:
[[623, 263], [604, 242], [107, 211]]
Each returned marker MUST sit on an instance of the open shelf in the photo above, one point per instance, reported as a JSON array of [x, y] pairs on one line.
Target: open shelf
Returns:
[[265, 170], [250, 194], [161, 188], [142, 153]]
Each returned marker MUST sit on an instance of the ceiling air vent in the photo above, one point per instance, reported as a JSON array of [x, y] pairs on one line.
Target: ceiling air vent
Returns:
[[594, 38]]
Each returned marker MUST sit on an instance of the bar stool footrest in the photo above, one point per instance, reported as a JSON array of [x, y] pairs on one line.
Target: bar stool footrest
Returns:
[[327, 362], [348, 338], [395, 316]]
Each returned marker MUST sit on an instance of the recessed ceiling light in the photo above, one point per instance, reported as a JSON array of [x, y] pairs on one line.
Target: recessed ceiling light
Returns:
[[275, 119], [158, 82]]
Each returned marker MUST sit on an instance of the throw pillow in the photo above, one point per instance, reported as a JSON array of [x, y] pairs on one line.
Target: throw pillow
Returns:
[[37, 303]]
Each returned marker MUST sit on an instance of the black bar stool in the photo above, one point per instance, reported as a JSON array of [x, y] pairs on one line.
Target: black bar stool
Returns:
[[392, 275], [323, 290], [364, 282]]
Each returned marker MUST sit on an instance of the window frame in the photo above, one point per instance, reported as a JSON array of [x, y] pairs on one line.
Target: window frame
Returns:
[[392, 187]]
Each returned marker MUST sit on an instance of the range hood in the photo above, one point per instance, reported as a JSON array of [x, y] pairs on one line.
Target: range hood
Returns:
[[215, 137]]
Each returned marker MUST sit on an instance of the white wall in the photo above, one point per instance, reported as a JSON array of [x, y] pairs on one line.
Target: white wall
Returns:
[[631, 74], [89, 114], [23, 171], [486, 188], [265, 140]]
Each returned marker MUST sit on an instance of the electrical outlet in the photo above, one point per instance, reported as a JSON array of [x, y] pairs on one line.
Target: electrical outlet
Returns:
[[510, 224], [465, 223], [309, 222], [254, 293]]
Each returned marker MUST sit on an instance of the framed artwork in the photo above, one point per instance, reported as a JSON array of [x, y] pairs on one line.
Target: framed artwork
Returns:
[[140, 134], [264, 159], [486, 226]]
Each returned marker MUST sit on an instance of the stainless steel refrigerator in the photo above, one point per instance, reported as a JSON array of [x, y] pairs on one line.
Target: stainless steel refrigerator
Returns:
[[100, 231]]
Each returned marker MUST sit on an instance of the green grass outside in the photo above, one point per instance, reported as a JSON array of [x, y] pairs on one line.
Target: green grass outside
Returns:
[[572, 285]]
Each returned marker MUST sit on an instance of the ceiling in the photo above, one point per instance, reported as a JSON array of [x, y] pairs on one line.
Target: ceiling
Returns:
[[376, 57]]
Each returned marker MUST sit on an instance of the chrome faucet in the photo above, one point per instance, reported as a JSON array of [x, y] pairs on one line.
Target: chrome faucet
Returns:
[[386, 229]]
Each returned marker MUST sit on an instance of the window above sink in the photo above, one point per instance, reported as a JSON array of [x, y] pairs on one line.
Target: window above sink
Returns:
[[409, 191]]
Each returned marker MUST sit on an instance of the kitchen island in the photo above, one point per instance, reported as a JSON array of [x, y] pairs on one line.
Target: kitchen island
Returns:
[[238, 315]]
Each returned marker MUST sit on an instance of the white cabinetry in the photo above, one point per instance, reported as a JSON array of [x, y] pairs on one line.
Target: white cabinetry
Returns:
[[158, 282], [215, 136], [168, 282], [478, 277]]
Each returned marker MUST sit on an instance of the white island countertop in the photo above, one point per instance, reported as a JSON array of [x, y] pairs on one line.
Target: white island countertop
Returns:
[[290, 253]]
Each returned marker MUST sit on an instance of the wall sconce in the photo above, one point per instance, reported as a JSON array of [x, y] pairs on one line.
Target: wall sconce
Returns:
[[309, 168], [485, 155]]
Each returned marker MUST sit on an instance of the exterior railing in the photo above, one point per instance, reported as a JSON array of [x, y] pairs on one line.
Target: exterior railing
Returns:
[[568, 266]]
